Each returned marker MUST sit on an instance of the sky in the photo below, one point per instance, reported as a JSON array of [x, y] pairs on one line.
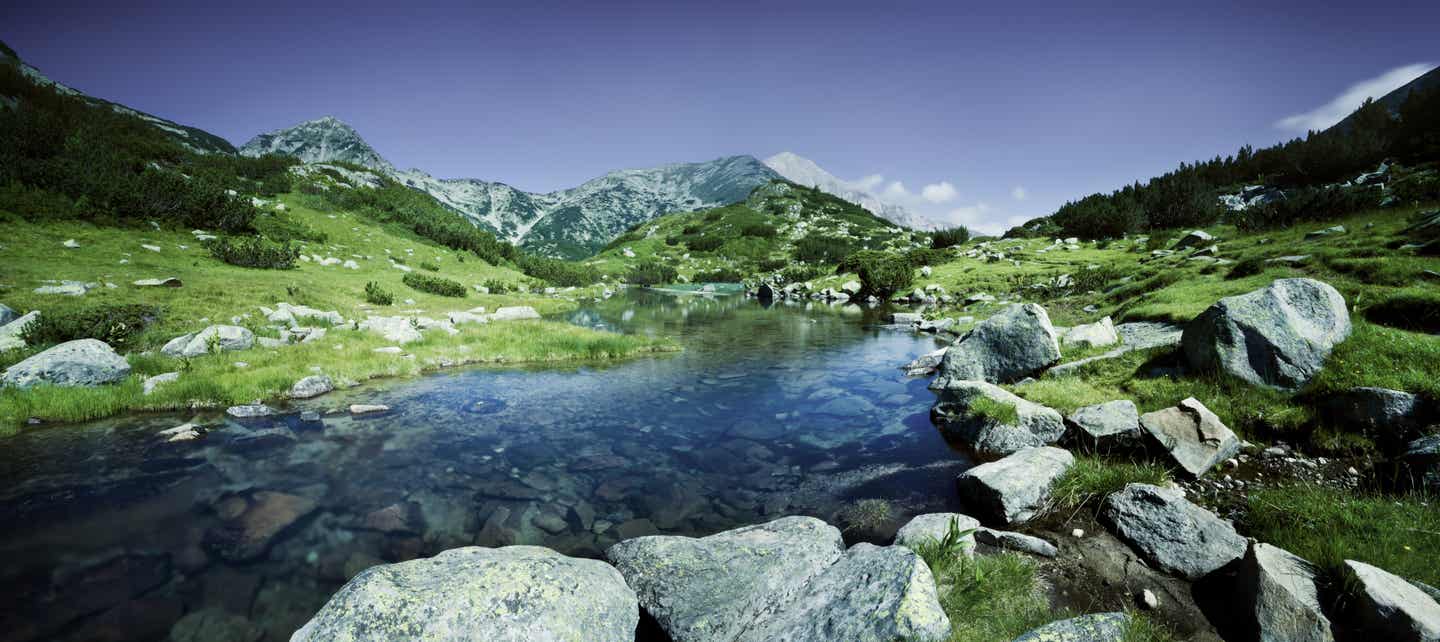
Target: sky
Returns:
[[986, 114]]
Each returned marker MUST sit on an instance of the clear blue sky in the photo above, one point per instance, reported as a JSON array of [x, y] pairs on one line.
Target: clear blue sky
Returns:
[[1055, 99]]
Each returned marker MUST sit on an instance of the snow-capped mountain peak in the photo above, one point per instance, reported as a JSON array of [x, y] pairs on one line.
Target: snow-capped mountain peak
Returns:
[[324, 139], [803, 171]]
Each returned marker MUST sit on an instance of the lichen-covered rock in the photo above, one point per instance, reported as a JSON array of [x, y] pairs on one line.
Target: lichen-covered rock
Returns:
[[393, 329], [1113, 424], [934, 527], [1192, 436], [1014, 489], [1278, 336], [1095, 627], [1015, 343], [514, 313], [216, 338], [311, 386], [993, 421], [10, 333], [1393, 608], [1094, 335], [1169, 531], [82, 362], [1279, 589], [925, 364], [510, 594]]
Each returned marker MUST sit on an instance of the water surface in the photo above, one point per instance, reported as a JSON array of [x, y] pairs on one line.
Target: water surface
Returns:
[[108, 533]]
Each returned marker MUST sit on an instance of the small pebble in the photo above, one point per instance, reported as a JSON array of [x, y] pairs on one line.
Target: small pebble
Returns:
[[1148, 600], [1077, 533]]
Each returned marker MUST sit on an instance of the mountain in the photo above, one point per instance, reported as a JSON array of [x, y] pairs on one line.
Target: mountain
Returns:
[[1392, 100], [803, 171], [321, 140], [568, 223], [195, 139]]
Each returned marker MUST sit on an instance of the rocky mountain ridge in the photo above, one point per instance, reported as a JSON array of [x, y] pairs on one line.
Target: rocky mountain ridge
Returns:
[[803, 171]]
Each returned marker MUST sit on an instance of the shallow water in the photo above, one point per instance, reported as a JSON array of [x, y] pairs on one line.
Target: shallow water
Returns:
[[800, 409]]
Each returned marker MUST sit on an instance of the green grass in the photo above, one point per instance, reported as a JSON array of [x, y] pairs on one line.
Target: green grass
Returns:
[[1327, 526], [993, 410], [1092, 478], [214, 380]]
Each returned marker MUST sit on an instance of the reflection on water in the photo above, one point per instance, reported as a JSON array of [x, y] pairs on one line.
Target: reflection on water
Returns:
[[109, 534]]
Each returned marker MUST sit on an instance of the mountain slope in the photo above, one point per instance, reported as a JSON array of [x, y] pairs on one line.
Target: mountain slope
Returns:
[[570, 223], [192, 138], [803, 171], [1392, 100]]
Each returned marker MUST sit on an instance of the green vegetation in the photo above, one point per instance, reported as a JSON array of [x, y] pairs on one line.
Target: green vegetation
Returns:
[[427, 265], [378, 295], [115, 324], [651, 273], [866, 515], [949, 237], [999, 412], [434, 285], [1092, 478], [1327, 526], [882, 274], [254, 252]]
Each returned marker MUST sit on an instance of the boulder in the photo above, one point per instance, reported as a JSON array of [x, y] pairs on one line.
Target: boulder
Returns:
[[1278, 336], [1421, 461], [82, 362], [311, 386], [1095, 627], [514, 313], [1015, 343], [1392, 416], [1014, 489], [150, 383], [167, 282], [393, 329], [1093, 335], [1171, 533], [934, 526], [1334, 230], [67, 288], [1279, 591], [1191, 436], [299, 313], [249, 411], [905, 318], [925, 364], [850, 287], [765, 293], [1392, 608], [992, 420], [217, 338], [10, 333], [1013, 541], [367, 408], [1194, 238], [513, 594], [1113, 424]]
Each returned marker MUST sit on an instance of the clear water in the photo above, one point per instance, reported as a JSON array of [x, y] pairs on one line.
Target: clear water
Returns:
[[107, 533]]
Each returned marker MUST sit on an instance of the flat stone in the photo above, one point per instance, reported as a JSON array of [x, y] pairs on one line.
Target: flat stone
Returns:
[[216, 338], [311, 386], [1094, 335], [1013, 541], [167, 282], [1113, 424], [1015, 489], [1095, 627], [1193, 436], [364, 409], [1170, 532], [964, 411], [250, 411], [1279, 589]]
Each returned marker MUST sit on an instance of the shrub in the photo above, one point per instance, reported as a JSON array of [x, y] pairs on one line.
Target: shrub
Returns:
[[651, 272], [950, 237], [882, 274], [1305, 204], [816, 248], [496, 286], [691, 230], [281, 226], [376, 295], [434, 285], [113, 324], [771, 265], [759, 230], [704, 243], [426, 265], [801, 272], [254, 252], [927, 256], [558, 272]]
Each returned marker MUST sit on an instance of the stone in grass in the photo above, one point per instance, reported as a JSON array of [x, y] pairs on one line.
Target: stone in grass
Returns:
[[311, 386], [1113, 424], [1191, 435], [216, 338], [1392, 608], [151, 383], [1015, 343], [82, 362], [1170, 532], [7, 314], [512, 593], [1093, 335], [1095, 627], [993, 421], [1015, 489], [932, 527], [1279, 590]]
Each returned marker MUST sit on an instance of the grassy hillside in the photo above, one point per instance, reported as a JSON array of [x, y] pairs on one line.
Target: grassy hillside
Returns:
[[780, 227]]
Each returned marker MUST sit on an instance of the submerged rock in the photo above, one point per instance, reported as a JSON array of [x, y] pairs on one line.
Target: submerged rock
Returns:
[[1170, 532], [1014, 489], [1095, 627], [1278, 336], [992, 420], [1191, 435], [1393, 608], [83, 362], [1015, 343], [1279, 589], [251, 523], [515, 594]]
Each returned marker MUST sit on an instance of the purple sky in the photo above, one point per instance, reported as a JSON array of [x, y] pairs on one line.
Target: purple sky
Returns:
[[1056, 100]]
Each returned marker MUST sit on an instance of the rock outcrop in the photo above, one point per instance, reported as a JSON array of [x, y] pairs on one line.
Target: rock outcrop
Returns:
[[1014, 489], [993, 421], [1170, 532], [1015, 343], [1278, 336], [512, 594], [82, 362]]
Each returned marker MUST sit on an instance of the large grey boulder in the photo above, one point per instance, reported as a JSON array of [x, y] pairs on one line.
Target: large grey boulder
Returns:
[[925, 364], [1170, 532], [393, 329], [1092, 335], [216, 338], [514, 313], [10, 333], [934, 526], [786, 579], [1194, 238], [1015, 343], [1113, 424], [1393, 416], [1279, 589], [1393, 608], [993, 421], [515, 593], [82, 362], [1014, 489], [1095, 627], [1192, 436], [1278, 336]]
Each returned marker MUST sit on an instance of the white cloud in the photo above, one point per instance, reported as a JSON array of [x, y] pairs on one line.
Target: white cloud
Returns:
[[868, 183], [941, 192], [896, 190], [1018, 193], [1324, 116]]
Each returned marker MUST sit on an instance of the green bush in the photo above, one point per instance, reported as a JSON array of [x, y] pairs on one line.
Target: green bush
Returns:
[[496, 286], [760, 230], [704, 243], [558, 272], [927, 256], [817, 248], [377, 295], [1306, 204], [651, 272], [434, 285], [426, 265], [282, 227], [801, 272], [254, 252], [113, 324], [950, 237], [882, 274]]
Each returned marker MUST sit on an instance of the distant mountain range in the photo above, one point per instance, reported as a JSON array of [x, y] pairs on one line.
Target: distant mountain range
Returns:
[[803, 171]]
